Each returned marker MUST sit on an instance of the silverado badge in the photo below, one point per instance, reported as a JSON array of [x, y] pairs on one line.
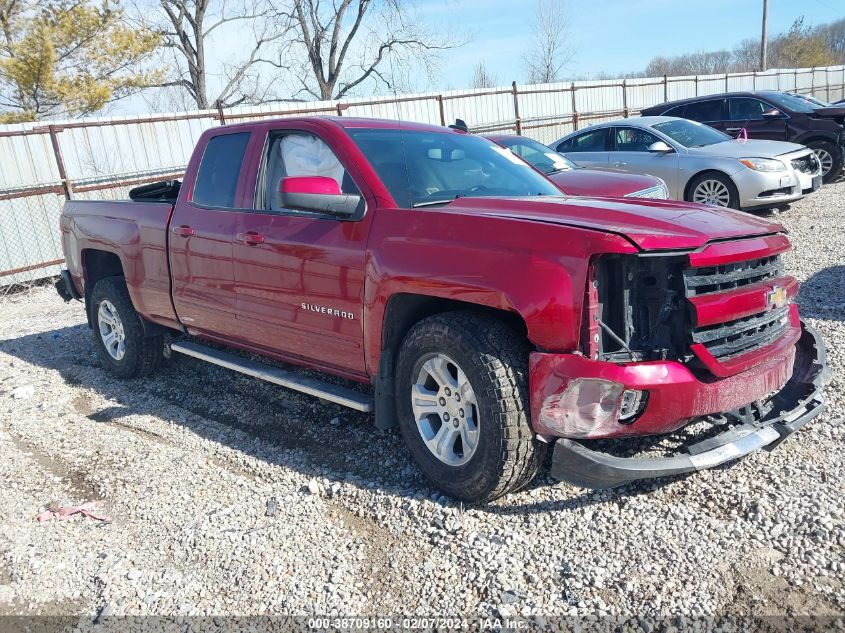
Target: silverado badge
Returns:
[[776, 297]]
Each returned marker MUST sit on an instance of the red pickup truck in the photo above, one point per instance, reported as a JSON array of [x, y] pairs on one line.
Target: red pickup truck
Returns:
[[492, 316]]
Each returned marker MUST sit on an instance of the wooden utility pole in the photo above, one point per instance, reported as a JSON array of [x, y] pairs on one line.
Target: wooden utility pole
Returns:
[[764, 38]]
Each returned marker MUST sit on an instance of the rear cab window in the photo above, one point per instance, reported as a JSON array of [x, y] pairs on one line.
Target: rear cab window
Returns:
[[220, 169]]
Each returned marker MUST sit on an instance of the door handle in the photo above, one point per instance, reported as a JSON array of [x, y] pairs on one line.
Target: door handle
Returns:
[[183, 231], [619, 163], [250, 238]]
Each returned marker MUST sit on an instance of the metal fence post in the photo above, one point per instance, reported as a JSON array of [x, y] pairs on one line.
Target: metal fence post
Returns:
[[440, 108], [754, 80], [220, 113], [67, 185], [339, 109], [696, 85], [624, 99], [574, 107], [813, 81], [516, 117], [726, 82], [665, 88]]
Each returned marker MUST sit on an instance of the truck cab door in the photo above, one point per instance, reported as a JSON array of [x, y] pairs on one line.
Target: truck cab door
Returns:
[[200, 239], [299, 275]]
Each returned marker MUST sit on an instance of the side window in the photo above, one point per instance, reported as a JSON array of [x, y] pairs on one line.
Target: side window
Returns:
[[593, 141], [631, 139], [301, 154], [704, 111], [220, 169], [677, 111], [746, 109]]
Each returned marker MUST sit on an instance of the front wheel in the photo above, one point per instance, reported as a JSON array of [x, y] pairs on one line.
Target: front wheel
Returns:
[[462, 400], [119, 335], [830, 157], [713, 189]]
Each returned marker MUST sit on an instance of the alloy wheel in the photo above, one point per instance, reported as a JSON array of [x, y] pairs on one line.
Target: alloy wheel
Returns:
[[111, 330], [825, 159], [713, 192], [446, 410]]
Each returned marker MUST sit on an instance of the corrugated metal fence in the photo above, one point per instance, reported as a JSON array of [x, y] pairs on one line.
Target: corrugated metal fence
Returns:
[[41, 165]]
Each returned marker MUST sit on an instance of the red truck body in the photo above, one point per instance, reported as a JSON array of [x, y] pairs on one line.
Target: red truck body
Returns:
[[338, 295]]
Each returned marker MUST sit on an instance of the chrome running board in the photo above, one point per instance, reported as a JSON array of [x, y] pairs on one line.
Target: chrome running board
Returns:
[[311, 386]]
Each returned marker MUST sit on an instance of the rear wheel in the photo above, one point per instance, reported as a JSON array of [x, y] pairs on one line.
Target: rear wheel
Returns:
[[118, 332], [462, 399], [714, 189], [830, 157]]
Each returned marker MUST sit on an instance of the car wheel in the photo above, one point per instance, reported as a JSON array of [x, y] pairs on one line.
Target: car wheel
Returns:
[[830, 157], [119, 335], [462, 400], [713, 189]]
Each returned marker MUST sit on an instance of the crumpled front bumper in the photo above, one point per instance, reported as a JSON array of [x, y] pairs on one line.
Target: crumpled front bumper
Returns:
[[798, 402]]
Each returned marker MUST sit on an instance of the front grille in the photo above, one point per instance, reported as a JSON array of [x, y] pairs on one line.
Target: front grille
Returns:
[[707, 279], [734, 338], [808, 164]]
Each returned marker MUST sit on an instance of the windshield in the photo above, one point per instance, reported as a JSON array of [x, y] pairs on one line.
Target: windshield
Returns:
[[543, 158], [790, 102], [422, 168], [816, 103], [690, 133]]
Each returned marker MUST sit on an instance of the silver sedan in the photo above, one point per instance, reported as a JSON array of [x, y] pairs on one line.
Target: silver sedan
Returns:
[[698, 163]]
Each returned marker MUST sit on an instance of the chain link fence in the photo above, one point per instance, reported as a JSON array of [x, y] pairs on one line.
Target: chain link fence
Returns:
[[102, 158]]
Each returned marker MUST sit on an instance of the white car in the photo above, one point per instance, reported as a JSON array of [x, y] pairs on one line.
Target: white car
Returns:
[[698, 163]]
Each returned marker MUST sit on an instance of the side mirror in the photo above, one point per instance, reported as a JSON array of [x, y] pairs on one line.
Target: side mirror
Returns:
[[771, 113], [660, 147], [316, 193]]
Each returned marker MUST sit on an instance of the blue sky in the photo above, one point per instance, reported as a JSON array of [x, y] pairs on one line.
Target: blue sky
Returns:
[[614, 35]]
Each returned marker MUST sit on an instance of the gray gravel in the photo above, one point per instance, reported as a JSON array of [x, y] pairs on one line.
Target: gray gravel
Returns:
[[230, 496]]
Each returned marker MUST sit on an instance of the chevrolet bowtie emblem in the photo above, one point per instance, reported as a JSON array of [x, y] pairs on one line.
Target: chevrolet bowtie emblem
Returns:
[[776, 297]]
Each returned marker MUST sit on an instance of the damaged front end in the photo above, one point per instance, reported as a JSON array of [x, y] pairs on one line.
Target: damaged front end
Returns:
[[762, 424], [670, 338]]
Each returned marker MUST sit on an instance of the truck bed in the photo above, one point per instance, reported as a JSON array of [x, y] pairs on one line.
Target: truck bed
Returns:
[[137, 231]]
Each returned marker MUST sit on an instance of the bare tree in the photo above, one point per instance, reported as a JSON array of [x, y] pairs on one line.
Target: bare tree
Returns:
[[551, 50], [482, 78], [834, 37], [349, 42], [187, 28]]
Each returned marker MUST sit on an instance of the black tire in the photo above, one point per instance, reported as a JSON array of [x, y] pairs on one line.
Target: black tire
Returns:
[[142, 354], [495, 361], [733, 200], [835, 153]]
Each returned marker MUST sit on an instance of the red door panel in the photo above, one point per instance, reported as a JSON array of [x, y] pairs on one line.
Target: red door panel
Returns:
[[299, 286], [201, 266]]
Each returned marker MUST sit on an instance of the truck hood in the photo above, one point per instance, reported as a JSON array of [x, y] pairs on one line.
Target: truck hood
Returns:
[[649, 224], [752, 148]]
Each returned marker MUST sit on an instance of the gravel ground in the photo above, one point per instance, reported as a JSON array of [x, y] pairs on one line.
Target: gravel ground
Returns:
[[230, 496]]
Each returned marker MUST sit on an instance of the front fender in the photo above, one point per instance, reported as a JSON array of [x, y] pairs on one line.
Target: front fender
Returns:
[[533, 269]]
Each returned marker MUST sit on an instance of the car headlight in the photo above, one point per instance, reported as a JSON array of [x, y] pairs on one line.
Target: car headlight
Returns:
[[763, 164], [659, 192]]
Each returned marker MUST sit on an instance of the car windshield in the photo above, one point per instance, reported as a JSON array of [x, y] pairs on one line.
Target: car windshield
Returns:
[[690, 133], [543, 158], [790, 102], [422, 168], [816, 103]]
